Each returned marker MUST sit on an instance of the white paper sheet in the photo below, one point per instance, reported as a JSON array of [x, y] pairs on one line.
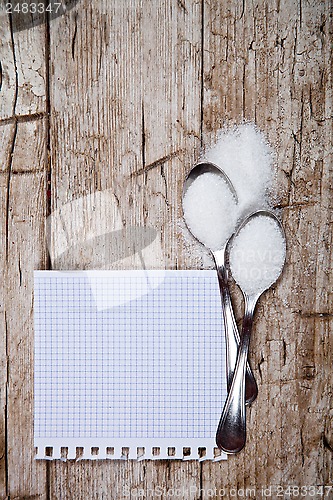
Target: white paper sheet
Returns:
[[128, 359]]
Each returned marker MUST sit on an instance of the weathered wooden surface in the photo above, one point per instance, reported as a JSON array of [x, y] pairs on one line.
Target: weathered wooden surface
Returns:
[[121, 96]]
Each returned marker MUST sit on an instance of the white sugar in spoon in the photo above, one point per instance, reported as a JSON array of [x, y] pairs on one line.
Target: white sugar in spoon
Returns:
[[210, 213], [257, 256]]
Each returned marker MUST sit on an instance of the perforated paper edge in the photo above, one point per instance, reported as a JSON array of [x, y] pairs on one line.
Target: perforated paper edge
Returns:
[[127, 449]]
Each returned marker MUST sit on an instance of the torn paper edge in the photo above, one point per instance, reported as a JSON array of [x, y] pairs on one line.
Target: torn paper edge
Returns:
[[124, 449]]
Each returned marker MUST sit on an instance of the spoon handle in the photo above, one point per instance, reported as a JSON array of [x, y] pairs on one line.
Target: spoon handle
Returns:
[[231, 431], [232, 335]]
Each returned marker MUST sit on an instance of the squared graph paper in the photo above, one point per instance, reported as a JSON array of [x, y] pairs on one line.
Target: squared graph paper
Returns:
[[128, 359]]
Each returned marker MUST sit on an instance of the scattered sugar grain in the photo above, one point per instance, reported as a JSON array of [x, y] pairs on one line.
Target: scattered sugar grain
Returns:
[[257, 255], [210, 210]]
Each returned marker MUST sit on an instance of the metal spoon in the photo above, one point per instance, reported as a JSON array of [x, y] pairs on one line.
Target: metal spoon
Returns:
[[231, 432], [231, 330]]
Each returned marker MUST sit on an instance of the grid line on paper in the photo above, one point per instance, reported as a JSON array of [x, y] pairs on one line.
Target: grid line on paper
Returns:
[[128, 354]]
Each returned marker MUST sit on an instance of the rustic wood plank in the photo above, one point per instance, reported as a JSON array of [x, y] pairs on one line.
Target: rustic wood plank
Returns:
[[134, 131], [272, 62], [23, 220], [23, 70], [23, 172], [6, 134]]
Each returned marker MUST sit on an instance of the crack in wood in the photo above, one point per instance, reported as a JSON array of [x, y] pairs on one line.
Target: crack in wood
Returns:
[[243, 10], [302, 445], [20, 269], [314, 314], [326, 444], [74, 37], [158, 163], [290, 174], [294, 58], [262, 360], [284, 353], [182, 5], [297, 205], [166, 186], [23, 118], [143, 139], [243, 90], [10, 162]]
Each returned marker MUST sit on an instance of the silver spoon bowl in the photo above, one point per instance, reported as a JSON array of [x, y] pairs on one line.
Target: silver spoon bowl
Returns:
[[231, 329]]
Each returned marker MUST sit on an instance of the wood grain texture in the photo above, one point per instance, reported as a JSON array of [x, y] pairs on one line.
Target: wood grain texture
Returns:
[[23, 70], [23, 132], [23, 221], [123, 96]]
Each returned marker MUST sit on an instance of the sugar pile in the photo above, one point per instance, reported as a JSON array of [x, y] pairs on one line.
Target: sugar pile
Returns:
[[257, 255], [243, 154], [210, 210]]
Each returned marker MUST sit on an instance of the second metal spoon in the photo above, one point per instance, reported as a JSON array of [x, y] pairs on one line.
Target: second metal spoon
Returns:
[[231, 432]]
